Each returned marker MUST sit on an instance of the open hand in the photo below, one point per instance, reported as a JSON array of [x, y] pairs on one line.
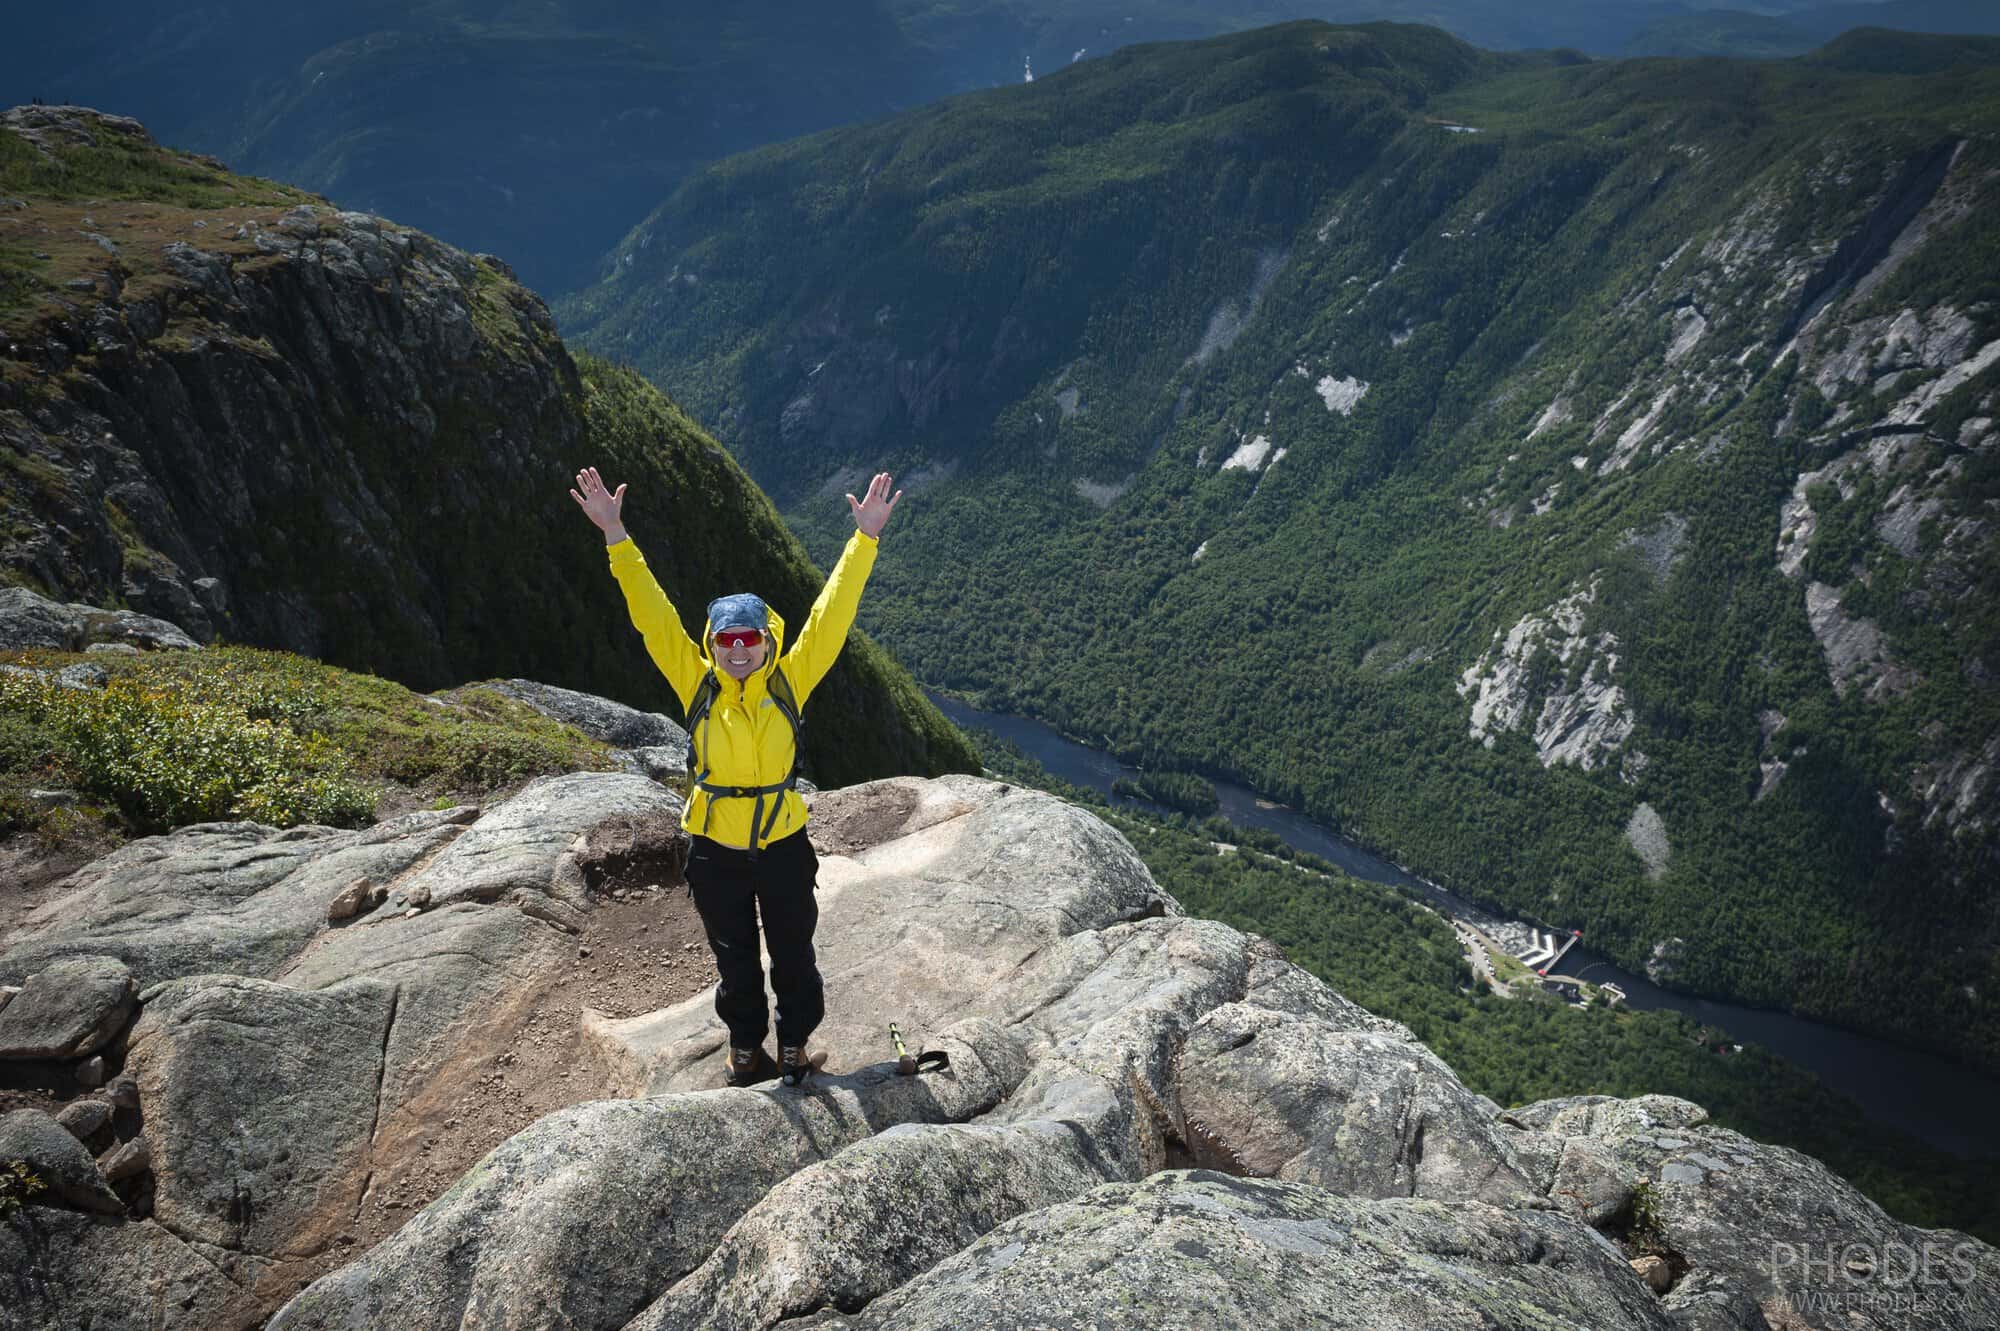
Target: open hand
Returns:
[[872, 514], [601, 506]]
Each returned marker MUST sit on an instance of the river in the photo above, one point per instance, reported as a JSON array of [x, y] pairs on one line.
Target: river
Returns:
[[1933, 1099]]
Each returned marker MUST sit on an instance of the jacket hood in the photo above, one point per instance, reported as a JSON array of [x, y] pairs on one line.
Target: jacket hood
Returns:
[[776, 629]]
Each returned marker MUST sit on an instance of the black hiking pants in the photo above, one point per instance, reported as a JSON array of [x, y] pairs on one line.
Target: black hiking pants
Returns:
[[731, 890]]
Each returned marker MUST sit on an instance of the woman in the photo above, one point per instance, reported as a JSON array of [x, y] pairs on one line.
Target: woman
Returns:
[[749, 855]]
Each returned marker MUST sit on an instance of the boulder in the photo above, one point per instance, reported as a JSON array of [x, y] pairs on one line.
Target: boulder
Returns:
[[84, 1119], [59, 1159], [66, 1270], [126, 1160], [124, 1091], [70, 1008], [667, 762], [83, 675], [1202, 1251], [260, 1103], [28, 619], [602, 719], [1771, 1229], [1277, 1095]]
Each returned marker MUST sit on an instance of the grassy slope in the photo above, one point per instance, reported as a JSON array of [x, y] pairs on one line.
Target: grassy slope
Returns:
[[1004, 249]]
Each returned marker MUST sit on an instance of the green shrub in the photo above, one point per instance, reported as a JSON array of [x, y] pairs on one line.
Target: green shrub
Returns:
[[166, 756], [17, 1185]]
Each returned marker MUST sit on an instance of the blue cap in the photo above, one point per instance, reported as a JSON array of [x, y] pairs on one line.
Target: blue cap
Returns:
[[742, 610]]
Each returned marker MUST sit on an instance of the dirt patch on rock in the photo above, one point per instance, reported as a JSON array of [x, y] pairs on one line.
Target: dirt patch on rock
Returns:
[[642, 948]]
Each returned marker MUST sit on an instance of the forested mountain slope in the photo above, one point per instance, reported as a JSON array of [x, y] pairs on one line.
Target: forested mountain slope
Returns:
[[226, 403], [1577, 478], [542, 131]]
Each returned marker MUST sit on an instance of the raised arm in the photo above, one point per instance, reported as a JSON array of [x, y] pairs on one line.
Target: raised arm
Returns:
[[826, 627], [604, 509], [677, 656]]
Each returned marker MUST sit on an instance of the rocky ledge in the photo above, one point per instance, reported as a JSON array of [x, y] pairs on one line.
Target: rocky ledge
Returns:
[[1148, 1120]]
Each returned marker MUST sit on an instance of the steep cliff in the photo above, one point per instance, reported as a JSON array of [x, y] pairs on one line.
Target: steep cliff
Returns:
[[234, 406]]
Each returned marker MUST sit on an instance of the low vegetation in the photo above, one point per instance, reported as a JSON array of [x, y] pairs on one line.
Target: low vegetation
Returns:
[[234, 732]]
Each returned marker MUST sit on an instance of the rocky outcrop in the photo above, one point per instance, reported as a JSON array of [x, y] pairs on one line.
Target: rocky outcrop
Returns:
[[602, 719], [1211, 1252], [648, 742], [1098, 1041], [1646, 833], [1548, 665], [28, 620], [276, 1052]]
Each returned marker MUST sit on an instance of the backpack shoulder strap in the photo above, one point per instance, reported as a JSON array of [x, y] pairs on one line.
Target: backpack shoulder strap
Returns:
[[788, 703], [697, 711]]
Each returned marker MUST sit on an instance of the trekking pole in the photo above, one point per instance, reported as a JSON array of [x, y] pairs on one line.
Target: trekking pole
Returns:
[[909, 1064]]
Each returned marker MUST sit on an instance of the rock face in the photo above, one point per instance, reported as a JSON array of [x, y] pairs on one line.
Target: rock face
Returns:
[[1646, 831], [1209, 1252], [1099, 1041], [1578, 715]]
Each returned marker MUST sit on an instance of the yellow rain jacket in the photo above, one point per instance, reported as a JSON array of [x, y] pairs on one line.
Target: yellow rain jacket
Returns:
[[746, 740]]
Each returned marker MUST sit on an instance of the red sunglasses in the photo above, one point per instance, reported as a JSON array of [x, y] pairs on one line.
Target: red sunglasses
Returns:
[[739, 637]]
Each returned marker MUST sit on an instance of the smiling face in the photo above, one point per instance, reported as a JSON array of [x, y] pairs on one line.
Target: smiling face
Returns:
[[740, 652]]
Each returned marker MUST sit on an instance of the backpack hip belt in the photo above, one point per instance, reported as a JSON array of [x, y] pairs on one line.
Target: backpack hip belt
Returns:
[[754, 793]]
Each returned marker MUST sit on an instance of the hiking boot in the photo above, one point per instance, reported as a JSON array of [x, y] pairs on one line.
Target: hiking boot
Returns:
[[795, 1065], [747, 1067]]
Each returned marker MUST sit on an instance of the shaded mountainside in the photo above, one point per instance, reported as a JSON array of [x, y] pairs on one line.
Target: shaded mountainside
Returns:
[[536, 131], [1575, 477], [229, 404], [541, 131]]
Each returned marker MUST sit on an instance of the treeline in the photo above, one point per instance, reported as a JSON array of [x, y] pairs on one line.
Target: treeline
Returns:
[[1181, 791]]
